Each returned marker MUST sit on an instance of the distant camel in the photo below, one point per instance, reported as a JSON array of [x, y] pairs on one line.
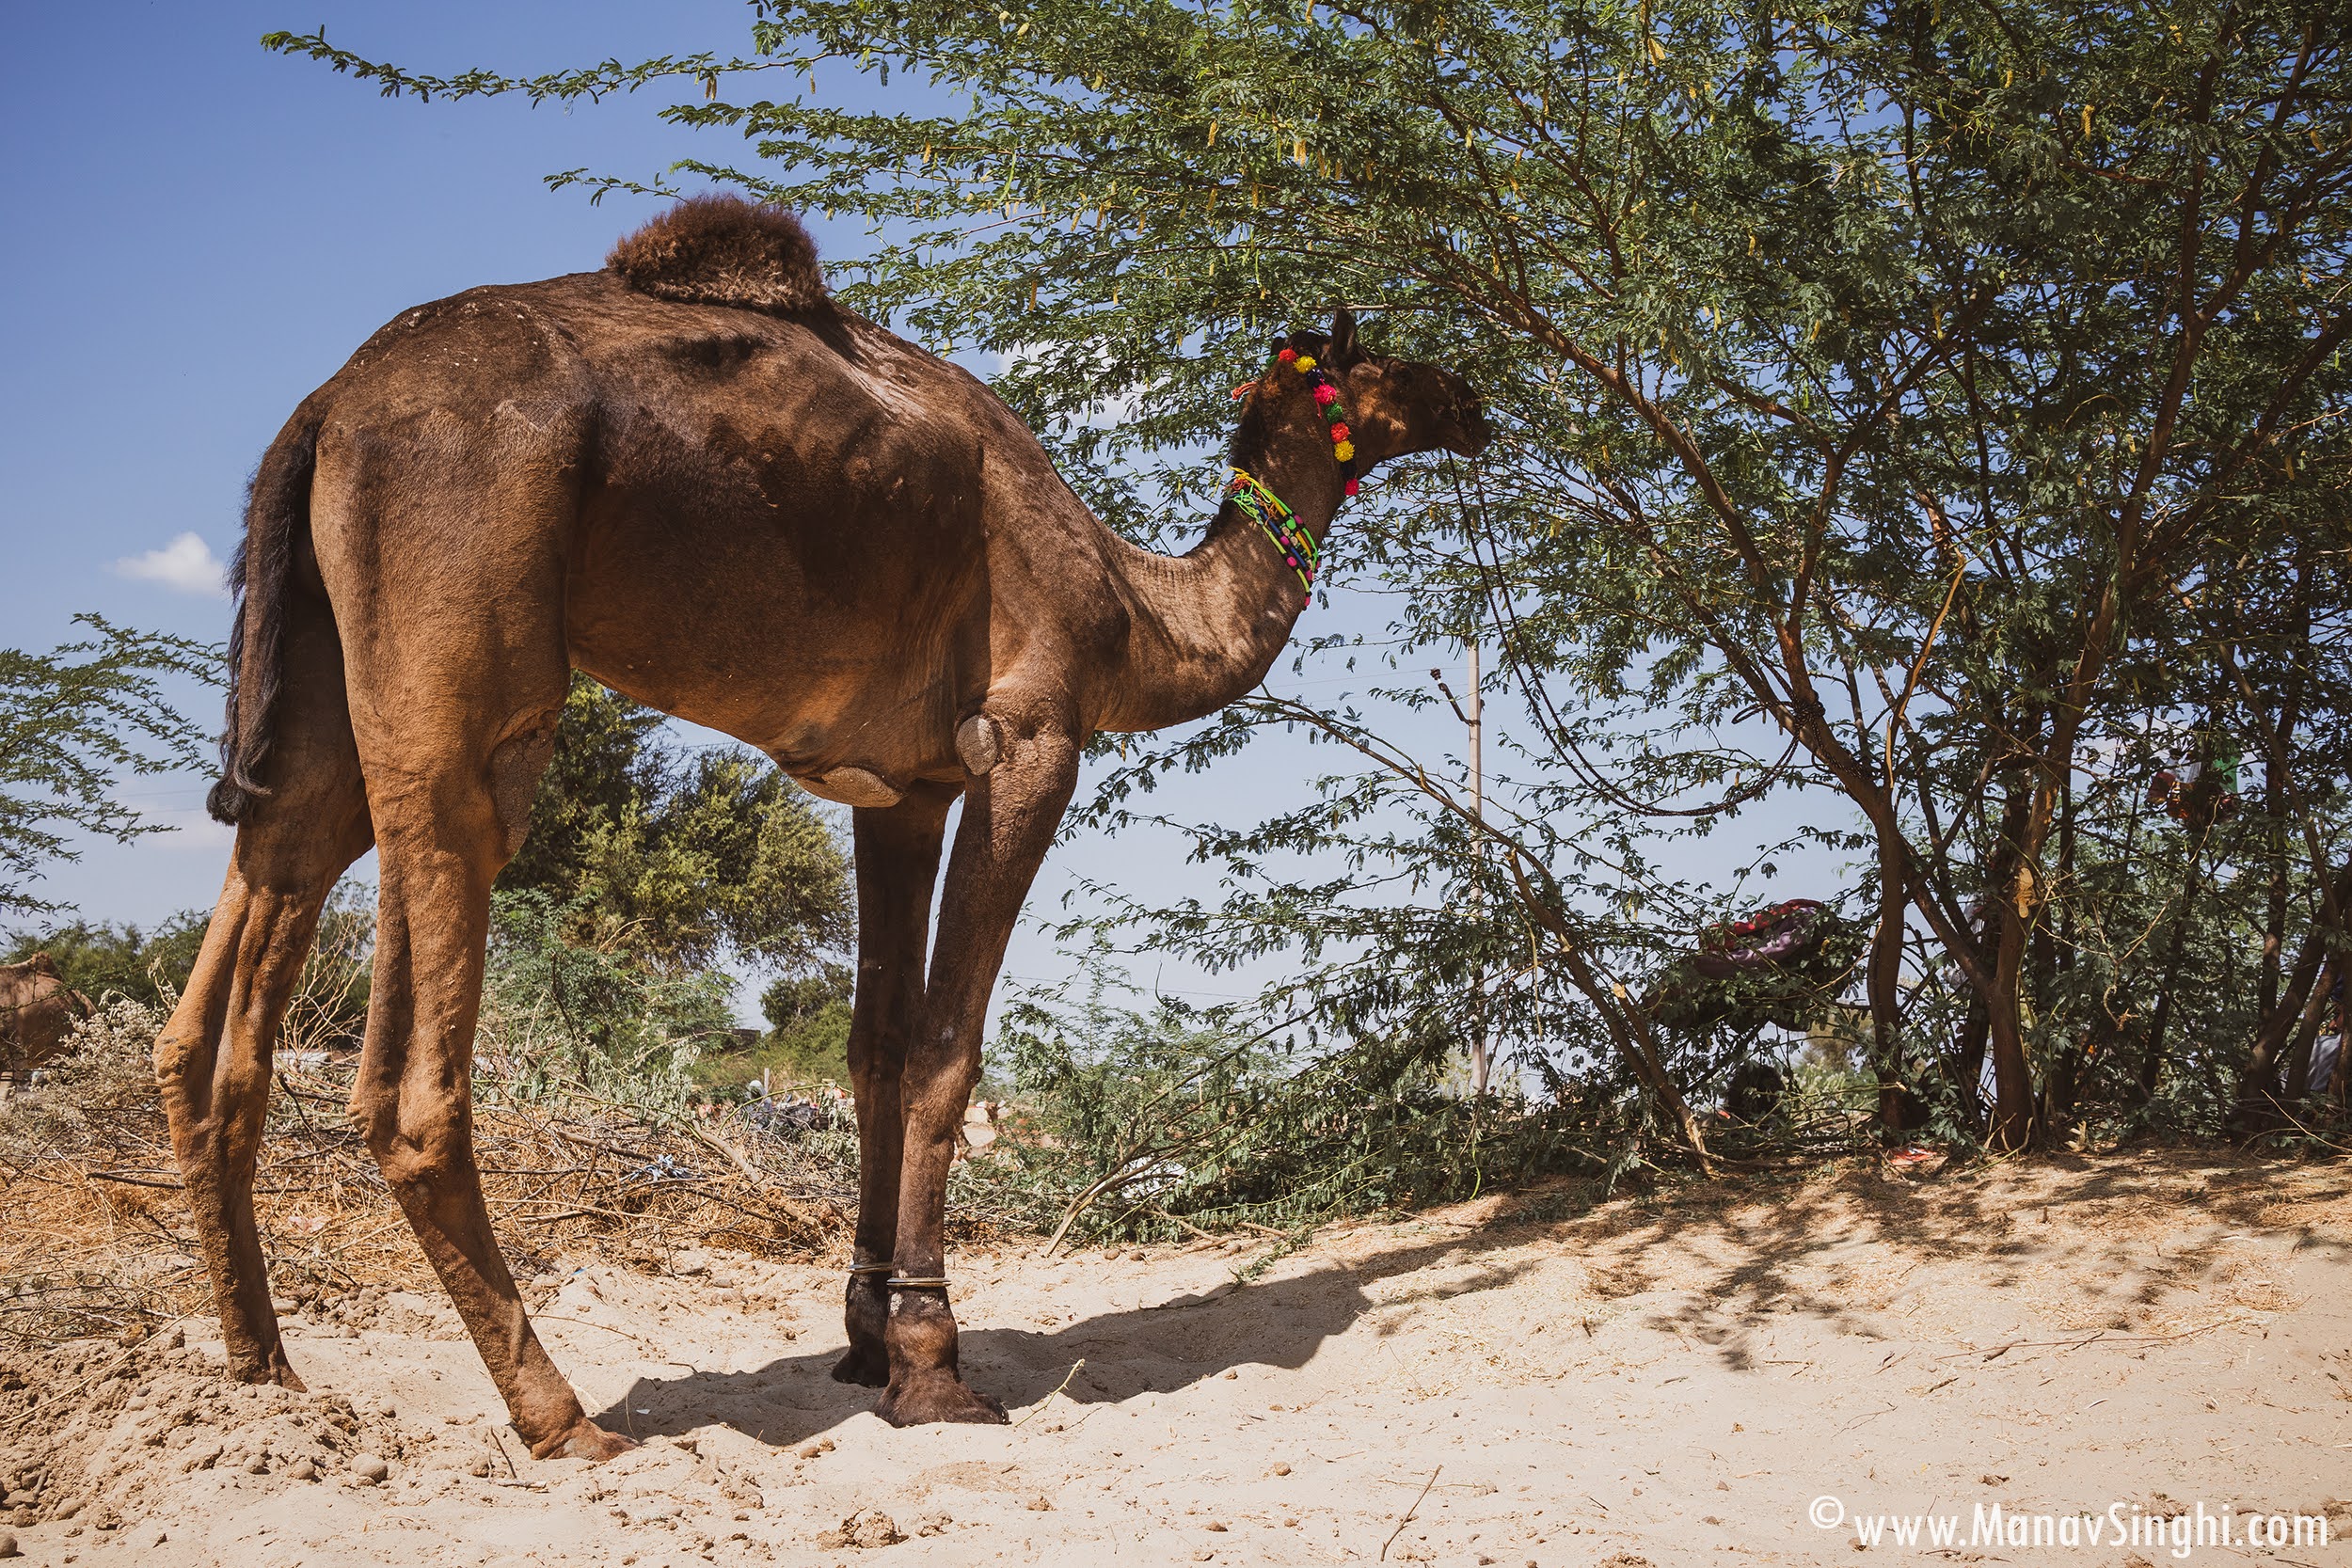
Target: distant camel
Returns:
[[38, 1012], [695, 477]]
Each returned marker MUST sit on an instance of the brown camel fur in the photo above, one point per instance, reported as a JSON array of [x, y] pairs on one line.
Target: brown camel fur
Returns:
[[693, 476], [38, 1012]]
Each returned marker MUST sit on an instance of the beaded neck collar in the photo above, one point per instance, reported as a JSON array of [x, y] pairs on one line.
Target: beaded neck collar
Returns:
[[1264, 507]]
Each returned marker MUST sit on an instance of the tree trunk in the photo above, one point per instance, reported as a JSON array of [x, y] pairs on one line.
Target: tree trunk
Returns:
[[2293, 1013], [1898, 1107], [2274, 916], [2299, 1081], [2009, 1126], [2065, 1068], [1968, 1061], [2279, 799], [2298, 1057], [2152, 1062], [2012, 1128]]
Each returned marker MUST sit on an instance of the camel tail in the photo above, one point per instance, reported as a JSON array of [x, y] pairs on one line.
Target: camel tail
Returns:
[[277, 510]]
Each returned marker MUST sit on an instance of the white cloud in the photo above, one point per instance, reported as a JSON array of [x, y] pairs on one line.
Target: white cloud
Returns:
[[186, 565]]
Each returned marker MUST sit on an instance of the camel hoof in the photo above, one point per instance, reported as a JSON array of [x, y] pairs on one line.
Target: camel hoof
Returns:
[[583, 1440], [869, 1368], [270, 1368], [937, 1396]]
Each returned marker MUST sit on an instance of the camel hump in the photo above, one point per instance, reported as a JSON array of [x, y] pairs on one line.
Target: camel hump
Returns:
[[723, 250]]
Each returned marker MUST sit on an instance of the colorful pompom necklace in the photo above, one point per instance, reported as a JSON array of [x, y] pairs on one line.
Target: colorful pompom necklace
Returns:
[[1327, 396], [1264, 507]]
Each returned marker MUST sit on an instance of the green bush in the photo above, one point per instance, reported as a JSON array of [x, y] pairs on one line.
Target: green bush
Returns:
[[120, 959], [701, 854], [566, 1015], [808, 1043], [1161, 1122], [814, 1049]]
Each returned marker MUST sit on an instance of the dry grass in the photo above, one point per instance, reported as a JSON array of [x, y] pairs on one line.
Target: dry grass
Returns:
[[100, 1242]]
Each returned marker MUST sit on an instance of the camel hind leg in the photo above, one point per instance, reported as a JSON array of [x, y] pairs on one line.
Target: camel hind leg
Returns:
[[457, 681], [441, 842], [213, 1058]]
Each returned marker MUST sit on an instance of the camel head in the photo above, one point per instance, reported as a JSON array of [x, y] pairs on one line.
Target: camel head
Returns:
[[1396, 407]]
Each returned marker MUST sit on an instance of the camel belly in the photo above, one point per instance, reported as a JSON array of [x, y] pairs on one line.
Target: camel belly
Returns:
[[854, 694]]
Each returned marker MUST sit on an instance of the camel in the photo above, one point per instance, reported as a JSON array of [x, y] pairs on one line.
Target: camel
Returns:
[[38, 1012], [696, 478]]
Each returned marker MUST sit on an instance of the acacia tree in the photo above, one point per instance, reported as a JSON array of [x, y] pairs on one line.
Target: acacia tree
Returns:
[[1896, 396], [73, 723], [682, 857]]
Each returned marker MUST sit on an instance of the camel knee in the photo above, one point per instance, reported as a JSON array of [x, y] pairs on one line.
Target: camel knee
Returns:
[[176, 1053], [421, 1166], [214, 1114], [420, 1151], [191, 1112]]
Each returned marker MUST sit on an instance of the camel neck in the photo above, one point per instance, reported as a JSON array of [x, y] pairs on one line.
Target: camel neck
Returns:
[[1209, 623], [1284, 443]]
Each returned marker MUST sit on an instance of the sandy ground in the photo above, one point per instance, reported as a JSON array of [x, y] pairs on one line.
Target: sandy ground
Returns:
[[1535, 1380]]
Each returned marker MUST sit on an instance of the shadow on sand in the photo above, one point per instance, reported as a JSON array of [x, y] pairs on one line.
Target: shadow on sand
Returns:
[[1775, 1246], [1154, 1348]]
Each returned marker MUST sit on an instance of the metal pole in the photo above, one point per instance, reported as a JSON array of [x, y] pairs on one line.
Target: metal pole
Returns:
[[1482, 1066], [1477, 746], [1471, 712]]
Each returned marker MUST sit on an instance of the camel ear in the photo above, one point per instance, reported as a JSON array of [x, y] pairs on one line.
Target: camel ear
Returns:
[[1344, 348]]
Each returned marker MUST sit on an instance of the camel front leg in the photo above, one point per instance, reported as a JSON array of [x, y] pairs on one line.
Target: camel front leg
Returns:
[[1009, 817], [897, 869]]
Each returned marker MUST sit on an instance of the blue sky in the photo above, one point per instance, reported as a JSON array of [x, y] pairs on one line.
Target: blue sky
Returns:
[[200, 232], [204, 230]]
